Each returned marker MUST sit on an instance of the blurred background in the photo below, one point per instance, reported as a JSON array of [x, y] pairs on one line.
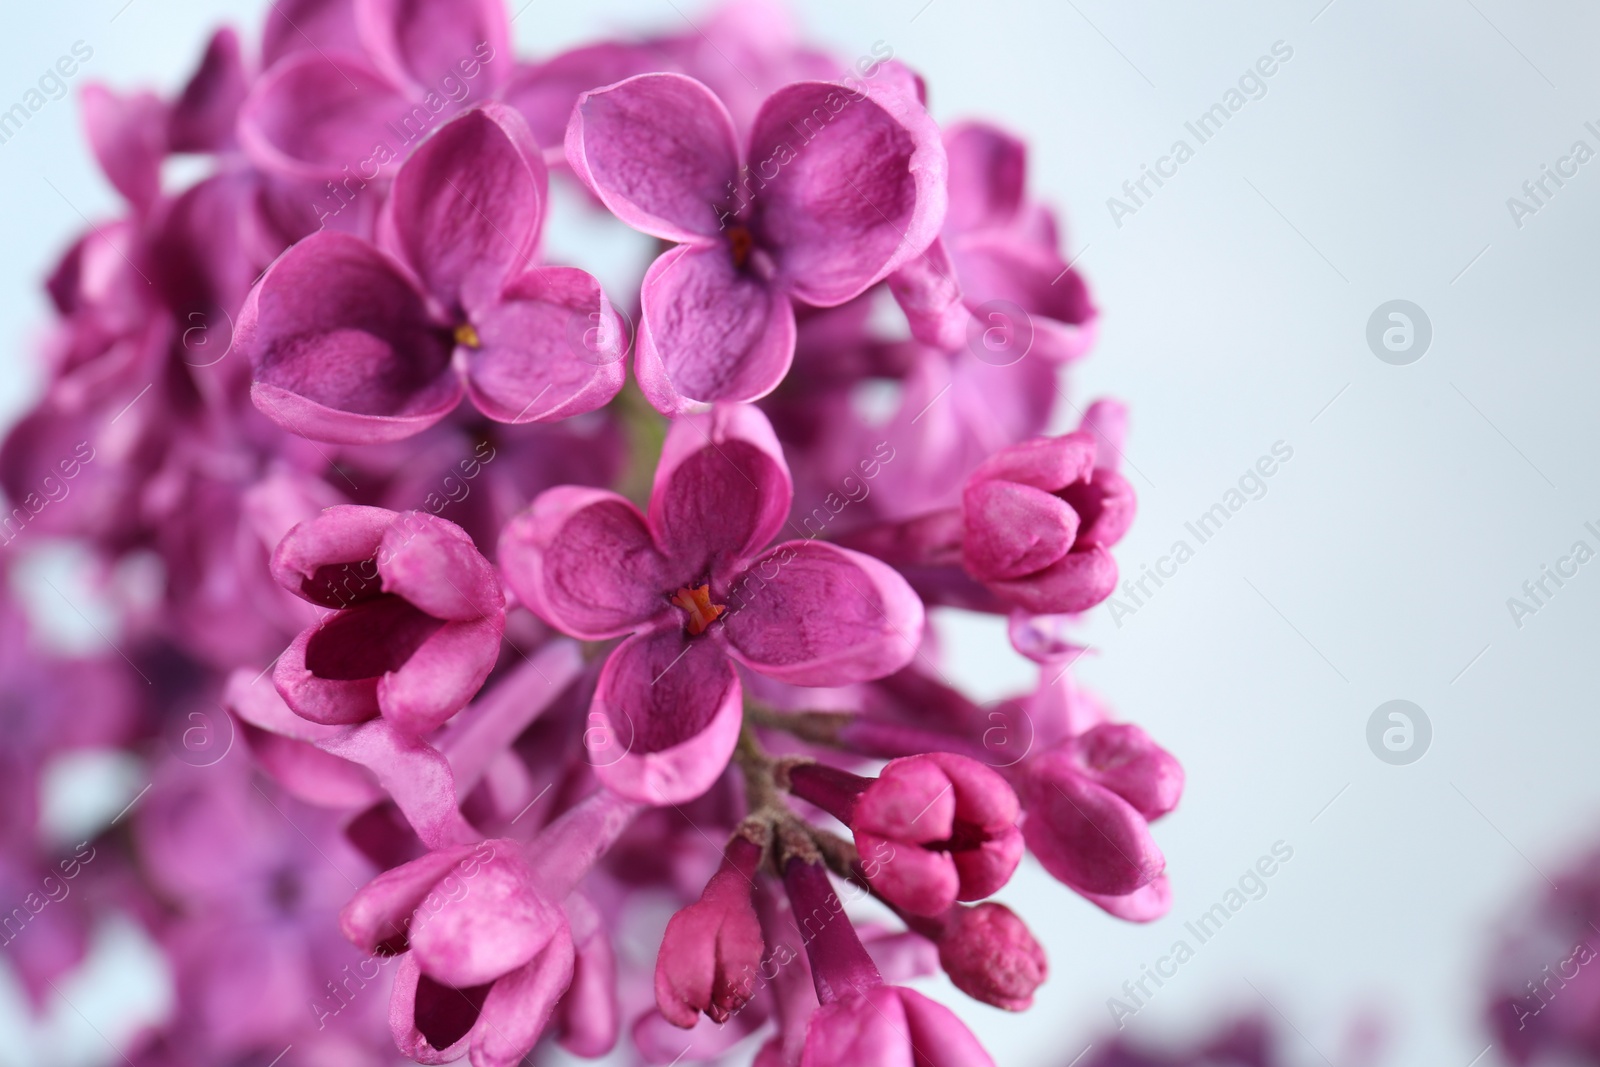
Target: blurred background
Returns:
[[1428, 466]]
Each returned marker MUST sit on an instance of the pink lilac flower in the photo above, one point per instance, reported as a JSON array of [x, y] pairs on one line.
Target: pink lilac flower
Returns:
[[417, 615], [360, 343], [698, 589], [835, 188]]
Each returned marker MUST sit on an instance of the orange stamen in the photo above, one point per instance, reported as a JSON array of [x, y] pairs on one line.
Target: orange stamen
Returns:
[[696, 603], [739, 237], [467, 334]]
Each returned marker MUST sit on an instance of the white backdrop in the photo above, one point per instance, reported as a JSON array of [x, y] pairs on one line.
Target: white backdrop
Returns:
[[1373, 165]]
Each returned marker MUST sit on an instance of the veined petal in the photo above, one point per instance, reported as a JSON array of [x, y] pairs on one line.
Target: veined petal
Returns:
[[432, 46], [660, 152], [665, 717], [810, 613], [317, 112], [583, 560], [710, 331]]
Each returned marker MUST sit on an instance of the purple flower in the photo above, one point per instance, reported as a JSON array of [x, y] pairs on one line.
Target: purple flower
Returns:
[[357, 343], [931, 829], [835, 189], [416, 623], [695, 586], [711, 949], [351, 83]]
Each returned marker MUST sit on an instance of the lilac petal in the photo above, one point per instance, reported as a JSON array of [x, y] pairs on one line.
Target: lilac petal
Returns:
[[665, 717], [436, 46], [379, 915], [203, 116], [1084, 834], [466, 207], [921, 881], [442, 676], [1105, 507], [1124, 759], [591, 1018], [331, 702], [660, 152], [1060, 311], [722, 489], [583, 561], [317, 112], [988, 169], [423, 1012], [519, 1005], [1076, 582], [1048, 463], [284, 744], [324, 559], [709, 331], [128, 136], [307, 25], [810, 613], [414, 774], [1013, 530], [1143, 905], [434, 565], [494, 924], [342, 345], [939, 1038], [856, 189], [1107, 420], [869, 1028], [927, 291], [545, 93], [551, 347]]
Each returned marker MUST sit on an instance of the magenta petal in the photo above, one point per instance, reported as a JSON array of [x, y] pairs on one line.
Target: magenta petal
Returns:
[[1083, 833], [332, 702], [858, 187], [1145, 904], [317, 112], [434, 565], [203, 116], [415, 774], [324, 559], [1060, 311], [450, 49], [988, 169], [583, 561], [1013, 529], [519, 1005], [431, 1023], [551, 347], [442, 675], [128, 136], [722, 489], [927, 291], [660, 152], [1124, 759], [546, 92], [939, 1038], [342, 345], [810, 613], [665, 717], [284, 744], [307, 25], [1076, 582], [466, 207], [379, 915], [494, 925], [709, 331], [1048, 463], [591, 1017]]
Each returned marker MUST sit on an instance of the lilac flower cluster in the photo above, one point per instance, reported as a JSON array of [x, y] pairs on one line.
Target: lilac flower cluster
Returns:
[[529, 629]]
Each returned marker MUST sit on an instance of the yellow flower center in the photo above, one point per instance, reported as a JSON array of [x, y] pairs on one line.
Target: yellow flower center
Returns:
[[467, 334]]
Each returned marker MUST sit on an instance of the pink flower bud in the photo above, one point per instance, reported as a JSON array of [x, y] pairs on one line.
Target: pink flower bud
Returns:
[[712, 948]]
